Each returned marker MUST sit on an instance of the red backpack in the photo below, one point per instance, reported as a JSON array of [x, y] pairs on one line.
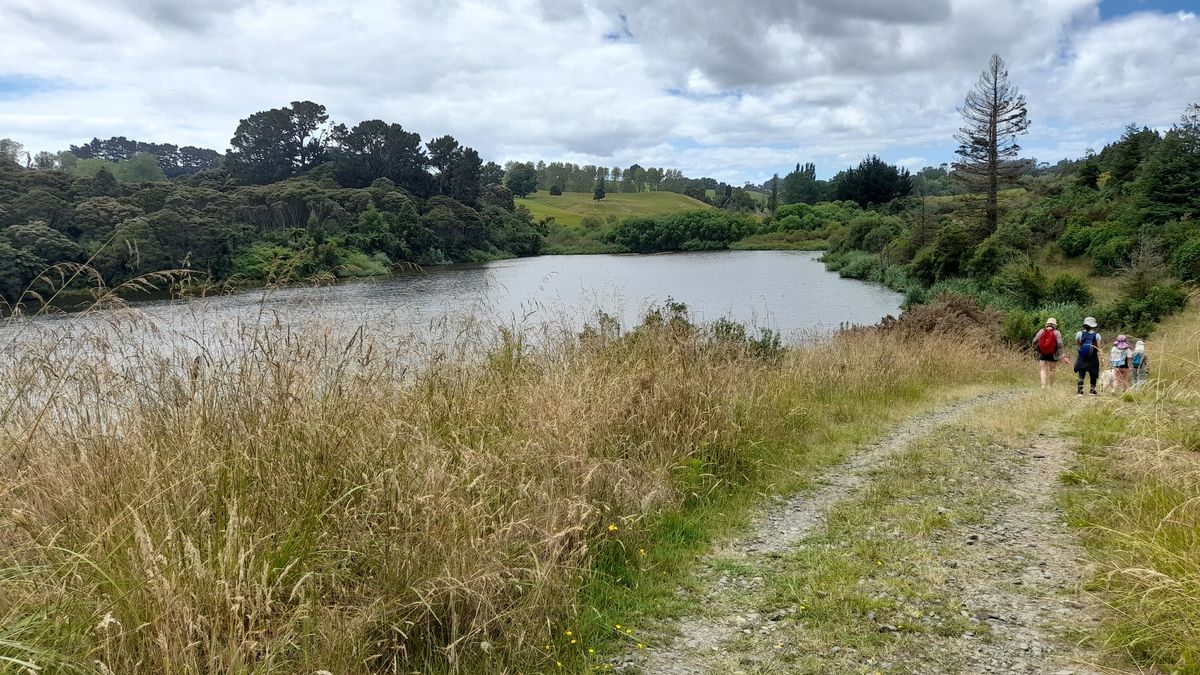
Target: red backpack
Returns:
[[1047, 343]]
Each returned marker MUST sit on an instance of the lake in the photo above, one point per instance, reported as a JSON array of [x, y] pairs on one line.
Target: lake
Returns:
[[788, 291]]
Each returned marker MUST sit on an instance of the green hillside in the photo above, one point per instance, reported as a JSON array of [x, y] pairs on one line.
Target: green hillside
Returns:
[[570, 208]]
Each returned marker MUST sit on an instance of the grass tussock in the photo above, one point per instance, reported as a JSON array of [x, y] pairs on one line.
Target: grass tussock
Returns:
[[268, 501], [1138, 495]]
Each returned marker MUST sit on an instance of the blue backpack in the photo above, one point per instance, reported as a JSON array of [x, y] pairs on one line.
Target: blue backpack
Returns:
[[1087, 345], [1138, 357]]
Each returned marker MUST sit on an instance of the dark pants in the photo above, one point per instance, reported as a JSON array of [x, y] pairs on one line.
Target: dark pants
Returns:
[[1089, 367]]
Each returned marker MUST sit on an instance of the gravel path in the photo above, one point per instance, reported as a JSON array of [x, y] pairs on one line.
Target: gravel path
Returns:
[[700, 638]]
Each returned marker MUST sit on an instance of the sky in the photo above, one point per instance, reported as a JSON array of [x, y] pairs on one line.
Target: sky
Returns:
[[736, 91]]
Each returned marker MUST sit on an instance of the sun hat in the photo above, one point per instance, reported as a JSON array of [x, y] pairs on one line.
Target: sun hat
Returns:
[[1090, 322], [1140, 346], [1052, 322], [1122, 342]]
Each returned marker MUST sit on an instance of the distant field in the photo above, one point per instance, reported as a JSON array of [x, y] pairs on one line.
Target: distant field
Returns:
[[570, 208]]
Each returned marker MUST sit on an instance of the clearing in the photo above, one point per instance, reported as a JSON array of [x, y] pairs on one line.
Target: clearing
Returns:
[[570, 208]]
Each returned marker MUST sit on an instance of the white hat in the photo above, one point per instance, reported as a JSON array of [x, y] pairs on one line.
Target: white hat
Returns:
[[1090, 322], [1052, 322]]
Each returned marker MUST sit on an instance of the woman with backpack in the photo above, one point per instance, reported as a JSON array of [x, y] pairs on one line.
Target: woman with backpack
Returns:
[[1088, 360], [1140, 363], [1120, 357], [1048, 342]]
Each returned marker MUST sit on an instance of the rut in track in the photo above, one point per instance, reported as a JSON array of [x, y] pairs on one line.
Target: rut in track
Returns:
[[1012, 575], [784, 525]]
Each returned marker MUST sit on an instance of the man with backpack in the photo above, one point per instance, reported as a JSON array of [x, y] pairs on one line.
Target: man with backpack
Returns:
[[1088, 360], [1048, 342]]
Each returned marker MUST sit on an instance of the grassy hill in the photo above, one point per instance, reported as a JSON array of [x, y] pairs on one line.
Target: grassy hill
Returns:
[[570, 208]]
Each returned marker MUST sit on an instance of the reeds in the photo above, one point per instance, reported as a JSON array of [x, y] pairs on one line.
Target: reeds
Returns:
[[271, 500]]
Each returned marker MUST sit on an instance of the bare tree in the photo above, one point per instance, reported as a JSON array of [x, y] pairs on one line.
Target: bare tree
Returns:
[[995, 115]]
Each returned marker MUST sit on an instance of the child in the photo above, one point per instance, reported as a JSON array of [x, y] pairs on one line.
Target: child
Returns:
[[1120, 358], [1140, 364]]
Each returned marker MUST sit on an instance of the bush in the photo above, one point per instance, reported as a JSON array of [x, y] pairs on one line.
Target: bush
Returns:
[[555, 191], [1023, 282], [1069, 288], [1111, 255], [1137, 314], [1186, 260]]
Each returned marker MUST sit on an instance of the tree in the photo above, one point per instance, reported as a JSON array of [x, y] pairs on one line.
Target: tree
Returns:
[[491, 174], [11, 151], [142, 167], [521, 179], [273, 145], [802, 187], [45, 161], [773, 200], [375, 149], [874, 181], [995, 116], [465, 170], [555, 191], [598, 193], [442, 153]]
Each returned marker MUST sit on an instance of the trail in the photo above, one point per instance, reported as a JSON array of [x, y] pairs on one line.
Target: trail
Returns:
[[1012, 574]]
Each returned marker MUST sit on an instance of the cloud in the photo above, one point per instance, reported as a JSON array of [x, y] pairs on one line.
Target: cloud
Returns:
[[736, 92]]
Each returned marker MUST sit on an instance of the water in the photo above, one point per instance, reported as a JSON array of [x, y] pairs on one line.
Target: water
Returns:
[[787, 291]]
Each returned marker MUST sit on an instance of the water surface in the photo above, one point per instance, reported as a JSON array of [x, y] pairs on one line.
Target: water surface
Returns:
[[787, 291]]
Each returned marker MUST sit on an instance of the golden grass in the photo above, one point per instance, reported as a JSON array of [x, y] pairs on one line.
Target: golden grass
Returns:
[[1140, 500], [291, 502]]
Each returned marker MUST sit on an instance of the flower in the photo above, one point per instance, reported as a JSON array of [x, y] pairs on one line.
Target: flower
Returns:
[[612, 527], [573, 640], [618, 626], [568, 633], [641, 551], [641, 646], [591, 650]]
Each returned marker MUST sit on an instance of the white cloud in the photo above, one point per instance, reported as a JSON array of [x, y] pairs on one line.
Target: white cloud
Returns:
[[735, 92]]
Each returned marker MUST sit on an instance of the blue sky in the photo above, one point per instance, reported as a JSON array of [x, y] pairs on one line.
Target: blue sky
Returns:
[[1114, 8], [683, 84]]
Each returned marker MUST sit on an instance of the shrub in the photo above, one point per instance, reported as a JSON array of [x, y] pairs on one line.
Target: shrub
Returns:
[[1186, 260], [1023, 282], [1069, 288], [1111, 254], [555, 191]]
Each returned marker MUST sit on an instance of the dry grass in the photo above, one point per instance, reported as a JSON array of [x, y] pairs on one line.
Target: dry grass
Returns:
[[275, 502], [1140, 471]]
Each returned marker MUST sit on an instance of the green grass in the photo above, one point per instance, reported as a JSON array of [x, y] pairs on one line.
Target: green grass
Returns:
[[759, 198], [570, 208], [1134, 490], [781, 241]]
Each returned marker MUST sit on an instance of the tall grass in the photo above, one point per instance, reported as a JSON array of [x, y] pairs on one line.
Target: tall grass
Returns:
[[282, 501], [1140, 500]]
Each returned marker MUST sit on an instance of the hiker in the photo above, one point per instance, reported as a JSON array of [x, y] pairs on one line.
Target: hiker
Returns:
[[1088, 361], [1048, 343], [1119, 357], [1140, 364]]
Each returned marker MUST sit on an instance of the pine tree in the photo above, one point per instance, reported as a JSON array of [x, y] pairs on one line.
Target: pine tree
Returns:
[[773, 200], [598, 193], [995, 115]]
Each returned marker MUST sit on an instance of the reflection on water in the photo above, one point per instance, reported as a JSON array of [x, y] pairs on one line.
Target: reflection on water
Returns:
[[788, 291]]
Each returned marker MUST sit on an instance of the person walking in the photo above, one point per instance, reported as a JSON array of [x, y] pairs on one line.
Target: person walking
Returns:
[[1048, 342], [1140, 363], [1120, 357], [1087, 363]]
